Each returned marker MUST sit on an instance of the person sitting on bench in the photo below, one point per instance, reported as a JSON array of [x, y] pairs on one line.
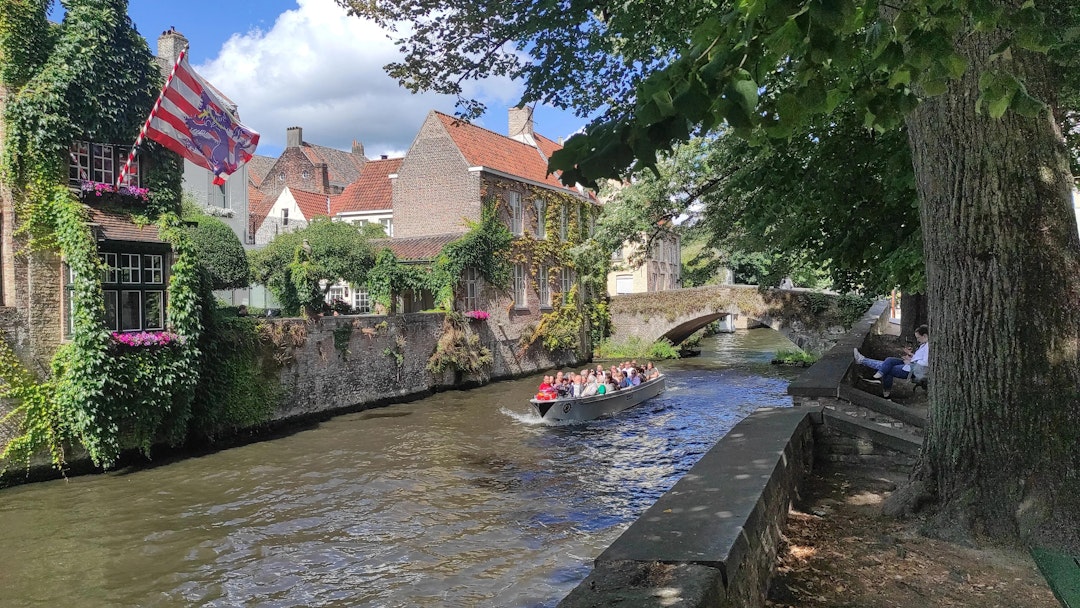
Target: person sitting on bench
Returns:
[[914, 365]]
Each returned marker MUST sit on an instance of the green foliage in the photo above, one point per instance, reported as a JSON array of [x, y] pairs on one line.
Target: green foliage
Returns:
[[459, 348], [218, 250], [561, 328], [636, 348], [294, 264], [39, 424], [484, 247], [342, 336], [794, 357], [389, 276], [235, 390], [852, 307], [26, 37]]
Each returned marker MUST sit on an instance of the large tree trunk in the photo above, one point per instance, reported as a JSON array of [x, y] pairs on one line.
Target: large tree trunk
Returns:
[[1002, 453]]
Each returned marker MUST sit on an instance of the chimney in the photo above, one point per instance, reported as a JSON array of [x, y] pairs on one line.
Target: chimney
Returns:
[[294, 137], [521, 125], [323, 176], [169, 45], [357, 148]]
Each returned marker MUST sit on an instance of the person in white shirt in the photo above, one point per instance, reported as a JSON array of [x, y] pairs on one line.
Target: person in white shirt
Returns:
[[915, 365]]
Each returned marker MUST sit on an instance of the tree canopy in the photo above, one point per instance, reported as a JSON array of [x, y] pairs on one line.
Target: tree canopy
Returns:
[[218, 249], [986, 90], [299, 267]]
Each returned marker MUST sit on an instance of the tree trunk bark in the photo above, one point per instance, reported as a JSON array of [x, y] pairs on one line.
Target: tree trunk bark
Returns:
[[1002, 450]]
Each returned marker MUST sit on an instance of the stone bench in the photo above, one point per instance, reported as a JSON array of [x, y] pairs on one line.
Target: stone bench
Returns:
[[711, 540]]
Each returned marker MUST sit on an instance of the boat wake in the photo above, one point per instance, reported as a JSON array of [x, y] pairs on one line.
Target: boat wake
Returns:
[[531, 417]]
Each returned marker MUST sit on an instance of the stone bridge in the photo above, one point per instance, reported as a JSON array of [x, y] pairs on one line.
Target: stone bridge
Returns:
[[812, 320]]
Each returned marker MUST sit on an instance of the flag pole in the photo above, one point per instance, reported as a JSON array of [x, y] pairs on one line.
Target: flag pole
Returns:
[[142, 132]]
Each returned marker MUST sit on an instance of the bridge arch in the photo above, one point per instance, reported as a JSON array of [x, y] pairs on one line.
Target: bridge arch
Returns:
[[811, 319]]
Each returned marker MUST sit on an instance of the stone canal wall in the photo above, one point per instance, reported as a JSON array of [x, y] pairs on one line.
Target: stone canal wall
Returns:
[[712, 540], [348, 362]]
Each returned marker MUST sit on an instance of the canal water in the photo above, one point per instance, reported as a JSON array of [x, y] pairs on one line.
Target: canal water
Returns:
[[460, 499]]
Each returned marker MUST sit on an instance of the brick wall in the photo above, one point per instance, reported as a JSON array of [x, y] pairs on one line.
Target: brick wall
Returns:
[[434, 192]]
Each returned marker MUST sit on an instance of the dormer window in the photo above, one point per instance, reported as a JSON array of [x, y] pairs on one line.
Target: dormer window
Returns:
[[101, 163]]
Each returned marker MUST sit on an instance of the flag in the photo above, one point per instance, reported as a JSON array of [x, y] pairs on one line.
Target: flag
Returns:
[[191, 119]]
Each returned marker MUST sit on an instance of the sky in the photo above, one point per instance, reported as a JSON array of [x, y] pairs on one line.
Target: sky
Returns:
[[307, 63]]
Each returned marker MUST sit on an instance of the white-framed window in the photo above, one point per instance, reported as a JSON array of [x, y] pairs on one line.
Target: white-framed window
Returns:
[[541, 212], [517, 213], [388, 225], [566, 281], [284, 217], [472, 289], [130, 268], [624, 283], [133, 290], [362, 301], [88, 161], [544, 287], [564, 222], [520, 278], [617, 255], [337, 292]]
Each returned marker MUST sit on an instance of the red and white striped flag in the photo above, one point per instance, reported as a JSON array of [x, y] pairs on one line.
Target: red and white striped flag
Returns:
[[191, 119]]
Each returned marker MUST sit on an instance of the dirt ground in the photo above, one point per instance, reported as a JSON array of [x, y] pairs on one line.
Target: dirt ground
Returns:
[[839, 551]]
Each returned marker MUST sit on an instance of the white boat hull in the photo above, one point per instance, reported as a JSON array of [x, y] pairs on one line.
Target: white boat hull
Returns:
[[595, 406]]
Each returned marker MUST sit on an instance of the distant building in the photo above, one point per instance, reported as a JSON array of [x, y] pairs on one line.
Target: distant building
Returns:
[[658, 269]]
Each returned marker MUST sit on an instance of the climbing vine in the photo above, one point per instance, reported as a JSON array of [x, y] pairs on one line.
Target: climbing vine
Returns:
[[459, 348], [92, 78]]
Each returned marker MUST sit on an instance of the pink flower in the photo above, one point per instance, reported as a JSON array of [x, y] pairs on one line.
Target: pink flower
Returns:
[[479, 315], [144, 338]]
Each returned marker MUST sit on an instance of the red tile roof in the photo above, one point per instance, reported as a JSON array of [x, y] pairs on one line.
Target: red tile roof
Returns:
[[372, 192], [259, 204], [418, 249], [489, 149], [116, 226], [312, 204]]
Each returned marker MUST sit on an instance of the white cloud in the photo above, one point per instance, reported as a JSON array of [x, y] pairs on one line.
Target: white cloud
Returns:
[[320, 69]]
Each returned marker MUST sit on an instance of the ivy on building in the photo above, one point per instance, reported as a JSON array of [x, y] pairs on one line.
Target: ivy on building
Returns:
[[93, 78]]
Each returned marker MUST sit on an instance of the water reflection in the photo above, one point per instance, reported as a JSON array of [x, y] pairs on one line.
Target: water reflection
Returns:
[[461, 499]]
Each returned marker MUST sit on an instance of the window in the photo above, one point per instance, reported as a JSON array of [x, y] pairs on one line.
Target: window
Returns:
[[305, 174], [541, 212], [544, 287], [519, 286], [517, 214], [564, 222], [284, 217], [567, 280], [88, 161], [337, 292], [281, 176], [617, 255], [388, 225], [472, 289], [361, 301], [133, 288], [624, 283]]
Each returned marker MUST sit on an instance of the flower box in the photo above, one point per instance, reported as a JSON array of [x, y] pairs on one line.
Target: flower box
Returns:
[[106, 193], [147, 339]]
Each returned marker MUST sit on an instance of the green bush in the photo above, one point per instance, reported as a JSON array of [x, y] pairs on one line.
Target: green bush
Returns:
[[219, 252], [636, 348], [794, 357]]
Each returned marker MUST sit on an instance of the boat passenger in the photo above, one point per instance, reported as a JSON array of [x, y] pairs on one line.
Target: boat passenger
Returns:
[[590, 387], [635, 377], [576, 386], [651, 371]]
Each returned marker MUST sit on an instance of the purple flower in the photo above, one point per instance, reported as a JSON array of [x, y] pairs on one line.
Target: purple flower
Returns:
[[145, 338], [99, 188]]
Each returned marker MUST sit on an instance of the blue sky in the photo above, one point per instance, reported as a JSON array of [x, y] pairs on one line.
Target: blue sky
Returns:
[[306, 63]]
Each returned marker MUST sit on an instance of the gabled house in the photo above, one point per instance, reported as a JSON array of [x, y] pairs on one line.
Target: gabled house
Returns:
[[369, 200], [312, 168], [454, 168], [289, 210]]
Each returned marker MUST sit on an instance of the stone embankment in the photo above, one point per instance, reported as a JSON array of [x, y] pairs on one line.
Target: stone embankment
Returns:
[[711, 541]]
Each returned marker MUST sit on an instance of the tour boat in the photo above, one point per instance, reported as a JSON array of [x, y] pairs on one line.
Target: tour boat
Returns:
[[595, 406]]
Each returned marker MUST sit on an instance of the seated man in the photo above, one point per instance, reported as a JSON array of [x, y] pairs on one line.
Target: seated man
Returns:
[[912, 365]]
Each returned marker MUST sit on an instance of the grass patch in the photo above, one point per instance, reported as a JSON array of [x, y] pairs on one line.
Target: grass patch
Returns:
[[636, 348], [794, 357]]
